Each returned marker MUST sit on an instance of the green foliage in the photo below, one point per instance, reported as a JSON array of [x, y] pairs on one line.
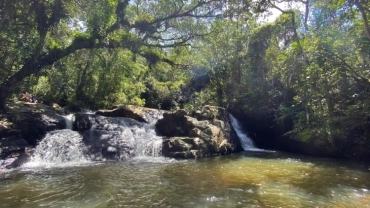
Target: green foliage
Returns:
[[312, 73]]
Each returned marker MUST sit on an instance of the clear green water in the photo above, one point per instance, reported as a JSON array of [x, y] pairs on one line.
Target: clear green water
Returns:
[[240, 180]]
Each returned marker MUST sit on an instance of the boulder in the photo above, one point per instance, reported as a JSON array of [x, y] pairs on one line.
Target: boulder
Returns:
[[82, 122], [202, 132], [107, 138], [11, 141], [173, 124], [141, 114], [15, 160], [23, 126], [35, 125]]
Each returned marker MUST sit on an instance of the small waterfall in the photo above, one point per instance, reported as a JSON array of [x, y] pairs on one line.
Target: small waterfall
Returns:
[[118, 138], [69, 120], [149, 145], [98, 138], [245, 141], [59, 148]]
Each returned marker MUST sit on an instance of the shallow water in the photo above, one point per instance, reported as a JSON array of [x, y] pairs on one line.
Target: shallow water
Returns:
[[241, 180]]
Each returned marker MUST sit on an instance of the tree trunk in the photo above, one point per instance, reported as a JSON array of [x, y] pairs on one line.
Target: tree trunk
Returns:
[[34, 65], [329, 101], [364, 17], [13, 81], [4, 92], [82, 79]]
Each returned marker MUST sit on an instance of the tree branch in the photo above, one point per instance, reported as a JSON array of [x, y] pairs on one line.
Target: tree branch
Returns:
[[187, 13], [307, 4], [364, 17], [292, 13]]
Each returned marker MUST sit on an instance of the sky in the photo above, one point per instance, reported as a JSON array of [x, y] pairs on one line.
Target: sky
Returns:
[[274, 13]]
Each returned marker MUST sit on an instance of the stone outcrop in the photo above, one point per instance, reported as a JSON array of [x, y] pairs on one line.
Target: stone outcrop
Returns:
[[11, 141], [201, 132], [198, 133], [141, 114], [35, 125], [24, 125], [107, 138]]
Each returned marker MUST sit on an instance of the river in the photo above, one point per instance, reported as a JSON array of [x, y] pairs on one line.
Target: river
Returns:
[[247, 179]]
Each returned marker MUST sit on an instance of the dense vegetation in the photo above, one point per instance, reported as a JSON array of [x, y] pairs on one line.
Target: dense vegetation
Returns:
[[304, 76]]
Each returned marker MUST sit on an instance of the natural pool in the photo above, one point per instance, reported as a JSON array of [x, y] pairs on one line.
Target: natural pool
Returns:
[[247, 179]]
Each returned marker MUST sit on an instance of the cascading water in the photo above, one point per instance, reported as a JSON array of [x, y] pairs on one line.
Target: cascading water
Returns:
[[97, 138], [69, 121], [59, 148], [118, 138], [149, 144], [245, 141]]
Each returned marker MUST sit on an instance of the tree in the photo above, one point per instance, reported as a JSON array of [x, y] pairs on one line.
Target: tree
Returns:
[[40, 33]]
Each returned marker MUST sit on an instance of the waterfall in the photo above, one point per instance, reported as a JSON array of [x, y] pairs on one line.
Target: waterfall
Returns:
[[245, 141], [69, 120], [149, 144], [118, 138], [97, 138], [59, 148]]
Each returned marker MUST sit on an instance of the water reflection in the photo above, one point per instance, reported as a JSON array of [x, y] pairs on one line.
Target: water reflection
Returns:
[[241, 180]]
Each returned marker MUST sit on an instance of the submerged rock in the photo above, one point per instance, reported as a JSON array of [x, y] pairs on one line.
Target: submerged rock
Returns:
[[205, 131]]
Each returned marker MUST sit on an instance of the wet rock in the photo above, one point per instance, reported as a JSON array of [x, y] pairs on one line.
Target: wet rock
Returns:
[[16, 159], [83, 122], [177, 144], [181, 155], [141, 114], [35, 125], [11, 141], [202, 132], [174, 124], [102, 145], [22, 127], [107, 138]]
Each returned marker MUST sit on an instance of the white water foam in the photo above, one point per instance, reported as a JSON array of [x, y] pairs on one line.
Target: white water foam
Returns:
[[245, 141], [62, 148], [148, 144], [59, 148]]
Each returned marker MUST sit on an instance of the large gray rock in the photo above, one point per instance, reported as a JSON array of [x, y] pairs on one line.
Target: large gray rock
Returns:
[[35, 125], [16, 159], [203, 132], [11, 141], [23, 126], [141, 114], [107, 138]]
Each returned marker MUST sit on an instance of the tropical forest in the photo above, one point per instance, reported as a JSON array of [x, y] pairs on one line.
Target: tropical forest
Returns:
[[184, 103]]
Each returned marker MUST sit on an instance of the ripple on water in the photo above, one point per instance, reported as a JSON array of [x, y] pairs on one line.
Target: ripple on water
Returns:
[[228, 181]]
